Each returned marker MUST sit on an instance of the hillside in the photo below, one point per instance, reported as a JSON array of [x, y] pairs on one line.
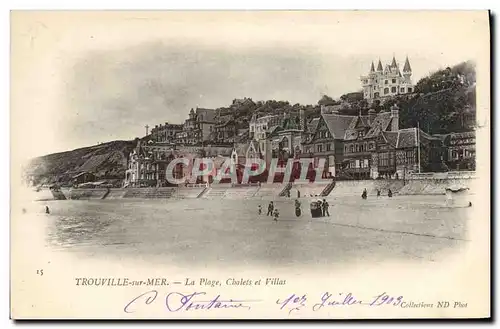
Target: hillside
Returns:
[[444, 102], [106, 161]]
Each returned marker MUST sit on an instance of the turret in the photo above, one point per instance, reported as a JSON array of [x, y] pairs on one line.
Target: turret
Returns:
[[379, 66], [394, 64], [372, 68], [407, 69]]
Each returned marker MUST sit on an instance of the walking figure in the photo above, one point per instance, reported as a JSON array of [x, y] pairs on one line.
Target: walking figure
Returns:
[[298, 210], [389, 194], [270, 209], [276, 215], [325, 206], [260, 209], [378, 192], [47, 210]]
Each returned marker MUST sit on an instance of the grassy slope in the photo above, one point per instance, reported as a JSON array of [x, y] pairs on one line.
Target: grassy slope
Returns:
[[107, 160]]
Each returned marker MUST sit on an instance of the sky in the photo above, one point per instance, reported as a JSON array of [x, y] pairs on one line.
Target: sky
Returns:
[[78, 79]]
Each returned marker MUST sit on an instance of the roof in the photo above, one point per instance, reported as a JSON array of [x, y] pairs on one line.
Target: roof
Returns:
[[208, 114], [337, 124], [312, 125], [391, 137], [223, 124], [379, 124], [379, 66], [467, 134], [407, 67], [407, 138]]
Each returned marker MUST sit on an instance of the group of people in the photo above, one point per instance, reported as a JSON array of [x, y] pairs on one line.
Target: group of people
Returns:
[[271, 211], [364, 195], [324, 205], [274, 212]]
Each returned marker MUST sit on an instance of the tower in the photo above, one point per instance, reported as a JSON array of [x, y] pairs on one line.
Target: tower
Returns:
[[379, 66], [407, 70]]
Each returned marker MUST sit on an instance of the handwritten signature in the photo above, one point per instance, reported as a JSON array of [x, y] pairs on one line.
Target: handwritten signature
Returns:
[[176, 301], [296, 302]]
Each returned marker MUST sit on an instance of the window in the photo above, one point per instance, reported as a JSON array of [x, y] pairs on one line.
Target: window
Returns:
[[386, 81], [372, 145], [319, 148], [361, 134], [409, 90], [409, 157], [393, 80], [345, 148], [351, 148], [327, 147], [393, 89], [376, 81], [386, 90], [357, 148], [402, 90], [383, 159]]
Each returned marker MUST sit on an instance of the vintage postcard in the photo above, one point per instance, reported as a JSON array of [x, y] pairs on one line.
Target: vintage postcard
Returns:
[[250, 164]]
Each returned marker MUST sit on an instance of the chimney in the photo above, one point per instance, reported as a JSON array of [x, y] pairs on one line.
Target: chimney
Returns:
[[395, 117], [371, 116]]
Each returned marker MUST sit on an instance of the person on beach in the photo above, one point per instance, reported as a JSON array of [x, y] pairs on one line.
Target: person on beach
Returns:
[[276, 215], [378, 193], [260, 209], [270, 209], [389, 194], [365, 194], [47, 210], [298, 210], [324, 206]]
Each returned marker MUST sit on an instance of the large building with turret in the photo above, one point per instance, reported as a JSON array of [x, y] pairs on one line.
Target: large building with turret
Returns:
[[387, 81]]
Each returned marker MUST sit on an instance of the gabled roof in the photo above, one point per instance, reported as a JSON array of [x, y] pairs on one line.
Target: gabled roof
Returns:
[[312, 125], [391, 137], [407, 138], [379, 124], [337, 124]]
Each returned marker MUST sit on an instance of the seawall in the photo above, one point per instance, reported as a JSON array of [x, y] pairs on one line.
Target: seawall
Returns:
[[423, 186]]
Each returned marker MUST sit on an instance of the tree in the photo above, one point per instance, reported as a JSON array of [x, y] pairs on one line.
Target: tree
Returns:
[[326, 101]]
